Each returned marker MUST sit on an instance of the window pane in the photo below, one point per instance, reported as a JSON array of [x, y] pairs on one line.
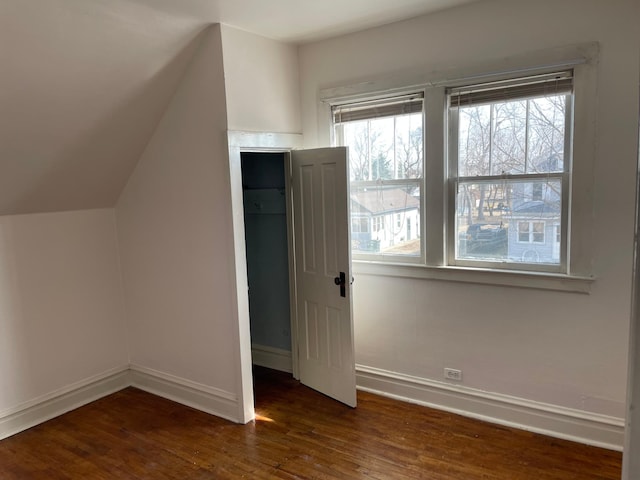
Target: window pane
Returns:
[[547, 134], [408, 146], [382, 150], [474, 140], [538, 232], [523, 231], [512, 137], [387, 148], [396, 213], [508, 150], [507, 221]]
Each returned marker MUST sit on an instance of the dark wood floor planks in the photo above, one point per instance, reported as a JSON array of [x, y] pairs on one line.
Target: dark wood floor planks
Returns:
[[299, 434]]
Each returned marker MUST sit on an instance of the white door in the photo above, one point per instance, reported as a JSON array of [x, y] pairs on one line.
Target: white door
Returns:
[[323, 270]]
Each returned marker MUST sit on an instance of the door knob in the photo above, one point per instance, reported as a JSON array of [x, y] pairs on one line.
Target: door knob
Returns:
[[341, 281]]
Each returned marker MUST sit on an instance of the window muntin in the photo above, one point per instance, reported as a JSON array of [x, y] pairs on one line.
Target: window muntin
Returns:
[[509, 172], [386, 164]]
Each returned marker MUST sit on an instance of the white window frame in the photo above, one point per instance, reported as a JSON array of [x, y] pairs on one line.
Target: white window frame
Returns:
[[583, 59], [337, 139], [563, 177]]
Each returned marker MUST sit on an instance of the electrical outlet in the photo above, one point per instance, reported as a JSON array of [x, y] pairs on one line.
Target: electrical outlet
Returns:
[[453, 374]]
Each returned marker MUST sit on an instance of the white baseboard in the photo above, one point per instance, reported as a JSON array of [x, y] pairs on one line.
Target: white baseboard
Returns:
[[29, 414], [569, 424], [560, 422], [201, 397], [61, 401], [274, 358]]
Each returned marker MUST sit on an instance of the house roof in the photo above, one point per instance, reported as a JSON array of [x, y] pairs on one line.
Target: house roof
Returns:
[[376, 202], [536, 208]]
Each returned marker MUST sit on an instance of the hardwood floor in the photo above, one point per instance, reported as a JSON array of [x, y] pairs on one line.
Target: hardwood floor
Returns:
[[298, 434]]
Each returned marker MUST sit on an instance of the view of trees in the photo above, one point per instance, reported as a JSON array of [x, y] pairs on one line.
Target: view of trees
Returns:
[[385, 148], [495, 140], [388, 149], [495, 214], [513, 137]]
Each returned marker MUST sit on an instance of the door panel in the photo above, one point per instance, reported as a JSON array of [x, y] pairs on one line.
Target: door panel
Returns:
[[307, 219], [322, 251]]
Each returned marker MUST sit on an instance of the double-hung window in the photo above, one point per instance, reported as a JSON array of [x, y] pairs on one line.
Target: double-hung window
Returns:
[[509, 172], [499, 157], [386, 163]]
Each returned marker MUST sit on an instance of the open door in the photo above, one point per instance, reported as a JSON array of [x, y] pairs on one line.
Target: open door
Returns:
[[323, 272]]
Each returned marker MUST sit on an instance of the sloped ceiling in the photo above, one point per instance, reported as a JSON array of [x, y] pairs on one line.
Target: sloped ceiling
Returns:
[[83, 83], [82, 86]]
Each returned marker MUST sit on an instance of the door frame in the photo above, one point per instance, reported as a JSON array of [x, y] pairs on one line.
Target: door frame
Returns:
[[238, 143]]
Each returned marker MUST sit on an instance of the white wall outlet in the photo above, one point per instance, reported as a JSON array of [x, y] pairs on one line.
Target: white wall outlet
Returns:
[[453, 374]]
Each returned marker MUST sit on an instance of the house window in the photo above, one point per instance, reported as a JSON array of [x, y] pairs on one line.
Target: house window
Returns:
[[537, 189], [386, 164], [378, 224], [531, 232], [509, 159], [360, 225]]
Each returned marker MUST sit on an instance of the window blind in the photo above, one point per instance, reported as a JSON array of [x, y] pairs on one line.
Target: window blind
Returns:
[[534, 86], [402, 105]]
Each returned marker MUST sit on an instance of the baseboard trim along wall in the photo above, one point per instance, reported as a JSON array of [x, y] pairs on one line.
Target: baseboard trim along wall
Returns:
[[201, 397], [270, 357], [39, 410], [559, 422], [61, 401]]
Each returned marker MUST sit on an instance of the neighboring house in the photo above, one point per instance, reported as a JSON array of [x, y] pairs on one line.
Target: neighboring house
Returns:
[[534, 232], [525, 226], [383, 218]]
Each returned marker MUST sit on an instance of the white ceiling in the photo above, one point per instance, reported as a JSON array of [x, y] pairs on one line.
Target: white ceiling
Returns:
[[301, 20], [83, 83]]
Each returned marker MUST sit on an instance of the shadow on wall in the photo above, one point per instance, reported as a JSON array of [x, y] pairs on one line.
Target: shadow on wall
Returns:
[[14, 357]]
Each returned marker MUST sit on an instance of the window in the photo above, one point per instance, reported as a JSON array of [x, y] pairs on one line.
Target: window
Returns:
[[509, 170], [386, 164], [537, 189], [359, 225], [531, 232], [492, 187]]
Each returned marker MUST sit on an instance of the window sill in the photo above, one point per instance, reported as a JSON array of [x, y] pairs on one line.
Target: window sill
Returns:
[[482, 276]]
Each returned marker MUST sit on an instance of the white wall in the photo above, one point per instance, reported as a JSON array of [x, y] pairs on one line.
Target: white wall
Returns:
[[174, 227], [631, 461], [261, 76], [61, 305], [560, 348]]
